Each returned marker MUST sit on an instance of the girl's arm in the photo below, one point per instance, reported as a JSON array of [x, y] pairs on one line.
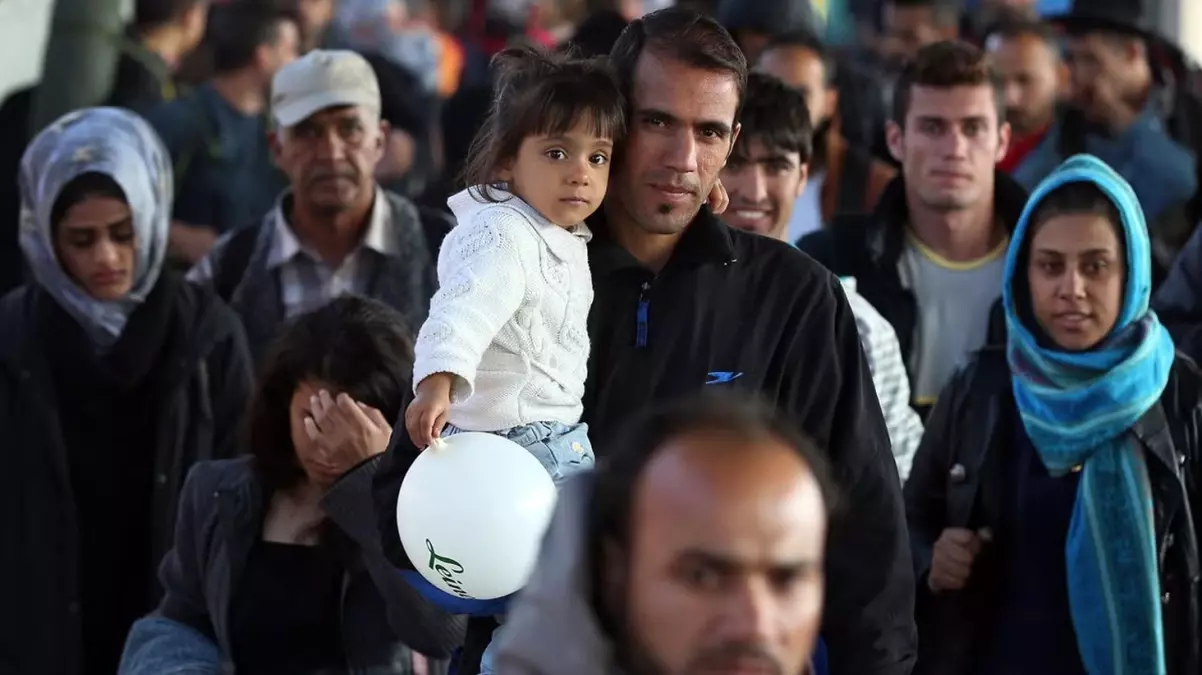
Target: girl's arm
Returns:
[[481, 286]]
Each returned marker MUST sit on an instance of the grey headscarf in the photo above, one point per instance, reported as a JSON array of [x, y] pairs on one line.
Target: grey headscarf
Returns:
[[119, 144]]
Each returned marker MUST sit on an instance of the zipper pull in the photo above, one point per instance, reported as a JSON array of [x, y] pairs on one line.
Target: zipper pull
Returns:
[[640, 334]]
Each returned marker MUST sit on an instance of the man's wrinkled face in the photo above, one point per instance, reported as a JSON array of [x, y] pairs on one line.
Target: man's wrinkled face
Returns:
[[763, 184], [681, 129], [330, 157], [1030, 69], [805, 71], [724, 572], [950, 145]]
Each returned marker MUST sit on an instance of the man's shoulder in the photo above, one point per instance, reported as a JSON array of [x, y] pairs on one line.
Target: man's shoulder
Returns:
[[178, 118], [843, 240]]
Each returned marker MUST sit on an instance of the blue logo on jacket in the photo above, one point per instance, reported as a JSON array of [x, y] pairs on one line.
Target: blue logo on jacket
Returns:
[[721, 377]]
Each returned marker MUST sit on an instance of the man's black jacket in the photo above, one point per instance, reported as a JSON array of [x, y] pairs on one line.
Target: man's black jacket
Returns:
[[732, 309]]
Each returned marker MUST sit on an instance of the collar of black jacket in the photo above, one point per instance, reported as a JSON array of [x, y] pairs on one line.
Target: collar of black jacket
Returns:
[[705, 241], [887, 235]]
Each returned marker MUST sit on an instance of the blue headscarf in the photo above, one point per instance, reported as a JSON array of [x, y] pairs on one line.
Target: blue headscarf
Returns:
[[1077, 408], [118, 144]]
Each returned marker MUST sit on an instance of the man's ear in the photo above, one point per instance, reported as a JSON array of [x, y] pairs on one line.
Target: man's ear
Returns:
[[1004, 133], [832, 104], [273, 143], [895, 140], [385, 130], [801, 183], [734, 137]]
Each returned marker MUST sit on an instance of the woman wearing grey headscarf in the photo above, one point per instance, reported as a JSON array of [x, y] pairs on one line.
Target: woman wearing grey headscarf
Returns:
[[115, 376]]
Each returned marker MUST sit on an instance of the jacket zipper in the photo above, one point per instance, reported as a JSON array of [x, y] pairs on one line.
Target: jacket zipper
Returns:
[[640, 335]]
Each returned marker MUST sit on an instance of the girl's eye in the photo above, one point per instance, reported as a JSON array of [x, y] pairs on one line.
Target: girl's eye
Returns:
[[556, 154], [599, 159]]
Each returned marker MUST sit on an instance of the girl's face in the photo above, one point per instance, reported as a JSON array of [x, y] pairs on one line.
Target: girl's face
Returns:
[[96, 244], [563, 177], [1076, 275]]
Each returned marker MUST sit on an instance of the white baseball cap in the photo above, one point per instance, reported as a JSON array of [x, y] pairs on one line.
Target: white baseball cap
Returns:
[[323, 78]]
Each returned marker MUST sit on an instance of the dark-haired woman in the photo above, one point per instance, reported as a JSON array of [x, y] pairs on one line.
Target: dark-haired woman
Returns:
[[266, 574], [115, 376], [1054, 501]]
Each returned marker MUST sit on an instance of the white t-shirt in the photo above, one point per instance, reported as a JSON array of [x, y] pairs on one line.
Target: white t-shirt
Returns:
[[954, 301], [807, 210]]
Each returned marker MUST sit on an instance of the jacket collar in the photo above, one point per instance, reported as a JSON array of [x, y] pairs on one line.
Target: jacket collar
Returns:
[[707, 240], [886, 235]]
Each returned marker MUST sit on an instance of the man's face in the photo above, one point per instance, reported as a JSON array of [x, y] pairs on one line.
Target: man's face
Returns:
[[1099, 68], [681, 131], [950, 145], [724, 572], [1030, 69], [330, 158], [803, 70], [908, 29], [763, 184]]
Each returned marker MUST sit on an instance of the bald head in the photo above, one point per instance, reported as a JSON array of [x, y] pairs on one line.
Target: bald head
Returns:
[[725, 555]]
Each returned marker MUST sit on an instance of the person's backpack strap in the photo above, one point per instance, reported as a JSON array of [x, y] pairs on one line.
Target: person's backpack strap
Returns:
[[234, 259], [848, 256], [202, 140], [853, 184], [1072, 134]]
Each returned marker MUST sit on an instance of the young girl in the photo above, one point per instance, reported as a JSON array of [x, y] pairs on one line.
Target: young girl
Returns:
[[505, 347]]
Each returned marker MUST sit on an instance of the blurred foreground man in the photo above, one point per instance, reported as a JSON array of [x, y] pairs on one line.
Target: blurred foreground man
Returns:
[[696, 548]]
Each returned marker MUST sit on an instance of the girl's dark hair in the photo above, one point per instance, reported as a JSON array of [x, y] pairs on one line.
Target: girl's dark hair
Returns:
[[536, 93], [84, 186], [354, 345]]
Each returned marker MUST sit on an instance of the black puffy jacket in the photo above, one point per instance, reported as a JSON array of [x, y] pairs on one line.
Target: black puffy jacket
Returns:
[[956, 481]]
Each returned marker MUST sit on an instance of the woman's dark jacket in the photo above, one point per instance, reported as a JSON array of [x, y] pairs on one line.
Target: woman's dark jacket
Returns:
[[956, 481], [204, 382], [220, 519]]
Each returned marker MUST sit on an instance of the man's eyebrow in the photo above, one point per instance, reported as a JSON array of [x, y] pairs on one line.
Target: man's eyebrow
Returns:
[[726, 562], [655, 112], [723, 128]]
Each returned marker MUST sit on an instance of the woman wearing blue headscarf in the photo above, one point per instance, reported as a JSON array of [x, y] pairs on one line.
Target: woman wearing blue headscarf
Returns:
[[1054, 501], [115, 376]]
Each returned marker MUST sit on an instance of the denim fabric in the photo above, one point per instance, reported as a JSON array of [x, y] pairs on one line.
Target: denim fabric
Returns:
[[564, 451], [159, 646]]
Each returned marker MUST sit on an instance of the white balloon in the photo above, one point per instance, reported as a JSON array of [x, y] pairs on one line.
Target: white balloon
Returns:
[[472, 512]]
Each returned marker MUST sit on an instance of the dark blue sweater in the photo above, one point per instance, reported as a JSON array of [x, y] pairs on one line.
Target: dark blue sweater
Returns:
[[1033, 631]]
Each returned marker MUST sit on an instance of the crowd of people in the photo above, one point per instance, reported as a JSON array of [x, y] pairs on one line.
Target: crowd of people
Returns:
[[849, 359]]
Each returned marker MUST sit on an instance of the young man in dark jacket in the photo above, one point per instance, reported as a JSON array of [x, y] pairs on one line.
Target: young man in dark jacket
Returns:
[[930, 257], [683, 303]]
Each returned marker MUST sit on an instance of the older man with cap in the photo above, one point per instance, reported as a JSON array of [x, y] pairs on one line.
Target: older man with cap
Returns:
[[334, 230]]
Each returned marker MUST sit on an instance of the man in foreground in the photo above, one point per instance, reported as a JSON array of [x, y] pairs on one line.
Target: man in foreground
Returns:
[[703, 540]]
